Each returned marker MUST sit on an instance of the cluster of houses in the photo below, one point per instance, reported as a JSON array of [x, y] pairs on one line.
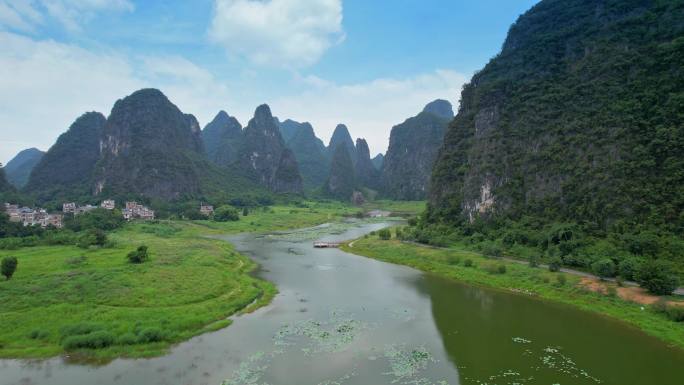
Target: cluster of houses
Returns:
[[40, 217], [206, 209], [33, 217], [135, 210]]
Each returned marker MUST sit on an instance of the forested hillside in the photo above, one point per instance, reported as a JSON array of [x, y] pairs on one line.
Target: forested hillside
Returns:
[[574, 133]]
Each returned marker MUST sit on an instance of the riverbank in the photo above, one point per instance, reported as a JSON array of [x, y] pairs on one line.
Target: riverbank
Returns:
[[92, 305], [473, 268]]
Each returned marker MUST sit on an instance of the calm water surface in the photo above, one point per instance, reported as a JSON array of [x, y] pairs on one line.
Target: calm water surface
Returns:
[[344, 319]]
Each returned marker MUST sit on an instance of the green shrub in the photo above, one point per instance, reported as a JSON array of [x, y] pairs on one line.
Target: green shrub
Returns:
[[79, 329], [38, 334], [150, 335], [226, 214], [492, 251], [502, 269], [657, 277], [384, 234], [127, 339], [139, 255], [8, 266], [555, 264], [95, 340], [604, 268], [534, 261], [468, 263]]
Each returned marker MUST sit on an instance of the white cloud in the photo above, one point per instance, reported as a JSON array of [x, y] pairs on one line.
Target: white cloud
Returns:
[[48, 85], [25, 15], [52, 83], [369, 109], [280, 33]]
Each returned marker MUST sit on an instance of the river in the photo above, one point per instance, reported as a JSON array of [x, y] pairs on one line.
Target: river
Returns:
[[345, 319]]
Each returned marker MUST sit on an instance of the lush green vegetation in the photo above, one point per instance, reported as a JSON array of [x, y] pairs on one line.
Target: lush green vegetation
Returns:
[[187, 285], [608, 254], [475, 268], [576, 130]]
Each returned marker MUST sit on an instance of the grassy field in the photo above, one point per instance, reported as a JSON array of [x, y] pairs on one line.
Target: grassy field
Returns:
[[518, 278], [68, 297]]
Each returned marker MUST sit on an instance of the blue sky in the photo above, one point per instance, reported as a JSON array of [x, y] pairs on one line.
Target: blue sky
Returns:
[[369, 64]]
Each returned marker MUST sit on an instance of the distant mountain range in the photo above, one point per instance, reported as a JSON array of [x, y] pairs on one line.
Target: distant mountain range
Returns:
[[19, 168], [148, 148]]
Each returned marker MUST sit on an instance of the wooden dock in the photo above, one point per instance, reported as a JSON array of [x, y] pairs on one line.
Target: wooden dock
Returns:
[[325, 245]]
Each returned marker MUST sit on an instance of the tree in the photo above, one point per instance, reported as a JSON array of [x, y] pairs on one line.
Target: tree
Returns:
[[657, 277], [604, 268], [8, 266], [628, 267], [139, 255], [226, 214], [245, 212]]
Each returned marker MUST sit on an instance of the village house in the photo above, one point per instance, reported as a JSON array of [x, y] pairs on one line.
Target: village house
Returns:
[[206, 209], [108, 204], [134, 210], [32, 217], [69, 207]]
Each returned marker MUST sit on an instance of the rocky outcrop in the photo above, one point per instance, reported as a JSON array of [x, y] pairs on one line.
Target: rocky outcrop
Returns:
[[19, 168], [366, 173], [309, 151], [412, 152], [262, 153], [150, 148], [378, 161], [577, 119], [66, 170], [341, 181], [341, 137], [222, 139]]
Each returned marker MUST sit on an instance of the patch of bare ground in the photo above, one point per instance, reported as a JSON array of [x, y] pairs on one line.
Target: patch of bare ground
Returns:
[[628, 293]]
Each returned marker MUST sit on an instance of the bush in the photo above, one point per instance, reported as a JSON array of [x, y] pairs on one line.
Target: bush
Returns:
[[95, 340], [8, 266], [657, 277], [245, 212], [628, 268], [502, 269], [226, 214], [38, 334], [604, 268], [534, 261], [127, 339], [555, 264], [384, 234], [150, 335], [468, 263], [140, 255], [492, 251], [412, 221]]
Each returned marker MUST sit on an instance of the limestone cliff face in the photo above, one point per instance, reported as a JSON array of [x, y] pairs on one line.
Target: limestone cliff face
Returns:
[[366, 173], [341, 181], [378, 161], [578, 118], [341, 137], [67, 167], [309, 151], [412, 152], [222, 139], [149, 147], [262, 154]]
